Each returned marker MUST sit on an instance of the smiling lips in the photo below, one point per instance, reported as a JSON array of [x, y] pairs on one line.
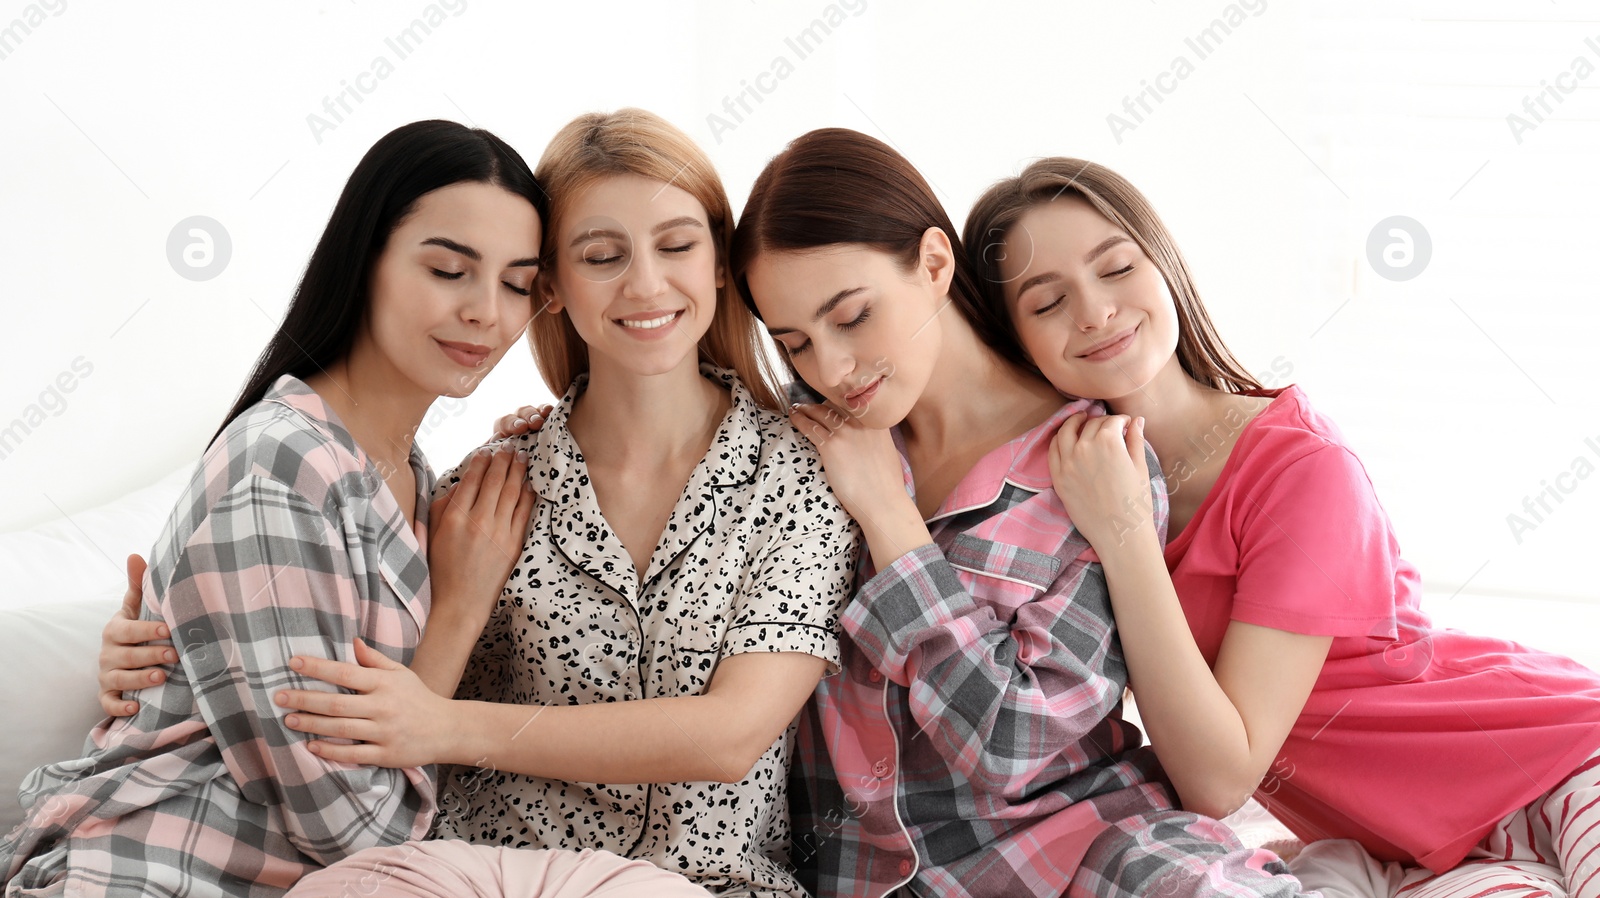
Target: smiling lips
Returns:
[[1110, 348], [651, 326], [468, 355]]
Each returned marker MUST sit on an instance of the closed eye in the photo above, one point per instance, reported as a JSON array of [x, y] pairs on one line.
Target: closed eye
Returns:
[[602, 260], [447, 275], [678, 249], [520, 291], [1045, 310], [1120, 271]]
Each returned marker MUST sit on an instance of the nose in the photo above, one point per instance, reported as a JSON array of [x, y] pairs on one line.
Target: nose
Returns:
[[645, 280], [835, 363], [481, 305], [1091, 309]]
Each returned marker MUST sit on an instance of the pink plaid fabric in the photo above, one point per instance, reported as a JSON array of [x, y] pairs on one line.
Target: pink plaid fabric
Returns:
[[285, 542], [972, 744]]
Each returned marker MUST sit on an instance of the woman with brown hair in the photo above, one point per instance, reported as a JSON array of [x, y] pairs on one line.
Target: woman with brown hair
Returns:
[[972, 743], [1275, 635]]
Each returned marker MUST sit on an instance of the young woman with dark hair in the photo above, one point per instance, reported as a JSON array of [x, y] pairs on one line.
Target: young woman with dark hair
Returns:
[[972, 743], [307, 528], [1275, 636]]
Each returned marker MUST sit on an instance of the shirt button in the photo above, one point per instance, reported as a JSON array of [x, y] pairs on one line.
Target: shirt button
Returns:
[[882, 769], [874, 676], [905, 868]]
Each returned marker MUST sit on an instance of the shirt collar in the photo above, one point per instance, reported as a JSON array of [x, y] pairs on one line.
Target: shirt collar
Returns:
[[1024, 461], [734, 456]]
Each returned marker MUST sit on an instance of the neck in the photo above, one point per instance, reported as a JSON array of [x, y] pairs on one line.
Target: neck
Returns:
[[380, 407], [1176, 408], [975, 395], [629, 419]]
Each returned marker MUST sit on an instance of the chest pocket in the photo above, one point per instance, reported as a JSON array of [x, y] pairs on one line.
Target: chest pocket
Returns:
[[1001, 573]]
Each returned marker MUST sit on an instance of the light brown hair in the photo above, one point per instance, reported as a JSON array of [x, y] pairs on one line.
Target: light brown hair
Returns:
[[1201, 352], [598, 145]]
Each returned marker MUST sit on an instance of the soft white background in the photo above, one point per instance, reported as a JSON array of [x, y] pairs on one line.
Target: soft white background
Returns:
[[1465, 389]]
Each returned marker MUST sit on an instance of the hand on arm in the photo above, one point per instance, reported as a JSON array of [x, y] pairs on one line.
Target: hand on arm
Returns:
[[715, 737], [1216, 732]]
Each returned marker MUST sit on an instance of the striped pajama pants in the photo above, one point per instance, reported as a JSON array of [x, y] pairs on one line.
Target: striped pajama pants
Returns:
[[1176, 854], [1549, 849]]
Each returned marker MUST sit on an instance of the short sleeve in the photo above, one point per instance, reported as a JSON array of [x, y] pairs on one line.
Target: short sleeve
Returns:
[[1317, 554], [791, 600]]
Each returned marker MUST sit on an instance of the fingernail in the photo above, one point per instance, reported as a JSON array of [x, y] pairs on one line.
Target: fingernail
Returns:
[[169, 657], [293, 720], [281, 699], [163, 632], [155, 676], [296, 663], [518, 423], [130, 707]]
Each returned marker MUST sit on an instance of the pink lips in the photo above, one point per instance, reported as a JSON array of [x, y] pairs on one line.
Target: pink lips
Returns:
[[1111, 348], [468, 355], [859, 398]]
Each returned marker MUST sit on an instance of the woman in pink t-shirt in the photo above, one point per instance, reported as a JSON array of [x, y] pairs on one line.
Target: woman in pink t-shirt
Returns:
[[1276, 645]]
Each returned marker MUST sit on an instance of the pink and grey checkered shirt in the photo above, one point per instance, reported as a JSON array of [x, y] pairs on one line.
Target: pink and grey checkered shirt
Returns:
[[286, 542], [972, 743]]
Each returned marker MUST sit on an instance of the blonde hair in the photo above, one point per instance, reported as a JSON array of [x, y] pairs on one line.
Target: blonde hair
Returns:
[[598, 145], [1201, 352]]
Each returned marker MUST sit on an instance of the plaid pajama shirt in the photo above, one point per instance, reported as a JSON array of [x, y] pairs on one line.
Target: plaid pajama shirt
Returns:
[[972, 743], [285, 542]]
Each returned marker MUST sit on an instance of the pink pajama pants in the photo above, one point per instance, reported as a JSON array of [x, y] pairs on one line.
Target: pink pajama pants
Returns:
[[460, 869]]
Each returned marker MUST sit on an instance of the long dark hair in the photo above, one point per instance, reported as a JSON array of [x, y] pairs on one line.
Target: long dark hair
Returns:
[[331, 302], [836, 186], [1201, 352]]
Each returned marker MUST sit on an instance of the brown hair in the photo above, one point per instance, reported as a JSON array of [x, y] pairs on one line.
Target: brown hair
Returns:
[[835, 186], [598, 145], [1201, 352]]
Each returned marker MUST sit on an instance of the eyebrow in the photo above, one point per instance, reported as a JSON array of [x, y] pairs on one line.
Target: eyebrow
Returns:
[[682, 221], [823, 310], [1099, 250], [474, 255]]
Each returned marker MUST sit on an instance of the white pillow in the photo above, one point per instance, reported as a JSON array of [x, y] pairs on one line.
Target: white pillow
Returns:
[[49, 694], [83, 557]]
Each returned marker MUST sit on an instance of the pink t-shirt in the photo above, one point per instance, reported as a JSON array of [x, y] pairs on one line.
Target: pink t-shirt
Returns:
[[1415, 740]]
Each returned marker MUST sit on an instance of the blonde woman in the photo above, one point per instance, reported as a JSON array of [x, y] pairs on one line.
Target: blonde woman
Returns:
[[676, 599]]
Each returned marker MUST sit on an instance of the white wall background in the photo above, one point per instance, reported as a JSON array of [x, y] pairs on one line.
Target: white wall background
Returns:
[[1467, 389]]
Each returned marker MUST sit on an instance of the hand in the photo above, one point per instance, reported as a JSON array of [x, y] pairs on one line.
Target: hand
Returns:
[[401, 722], [1097, 466], [524, 420], [862, 464], [477, 529], [126, 664]]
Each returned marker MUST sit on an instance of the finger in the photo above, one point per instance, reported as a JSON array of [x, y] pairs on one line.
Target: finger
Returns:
[[337, 727], [131, 680], [523, 513], [511, 489], [1069, 434], [494, 478], [809, 427], [437, 507], [466, 489], [369, 657], [112, 702], [366, 755], [121, 631], [339, 673], [1134, 439], [134, 597], [133, 657]]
